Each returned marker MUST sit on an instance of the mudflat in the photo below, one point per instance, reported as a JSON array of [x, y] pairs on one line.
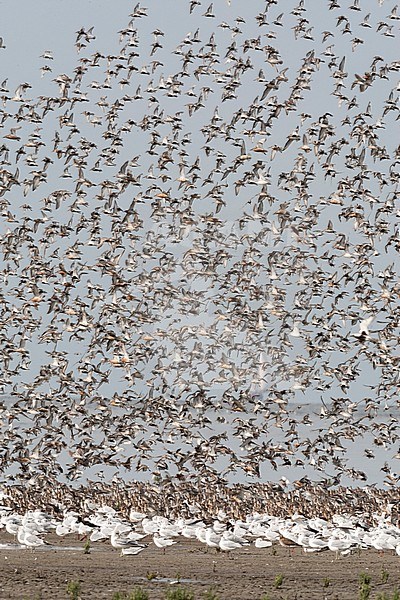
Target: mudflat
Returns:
[[247, 573]]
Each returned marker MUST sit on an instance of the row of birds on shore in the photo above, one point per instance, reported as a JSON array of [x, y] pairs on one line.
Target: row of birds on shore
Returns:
[[342, 535], [204, 500], [199, 233]]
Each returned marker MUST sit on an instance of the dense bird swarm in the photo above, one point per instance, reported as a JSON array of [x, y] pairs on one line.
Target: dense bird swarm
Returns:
[[370, 504], [199, 234]]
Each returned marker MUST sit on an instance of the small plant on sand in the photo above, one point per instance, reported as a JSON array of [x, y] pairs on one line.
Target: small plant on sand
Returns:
[[150, 575], [326, 582], [278, 581], [86, 547], [74, 590], [365, 591], [364, 578], [365, 586], [384, 575], [179, 593], [265, 597]]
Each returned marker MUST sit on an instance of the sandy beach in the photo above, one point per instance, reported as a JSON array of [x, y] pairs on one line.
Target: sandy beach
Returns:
[[248, 573]]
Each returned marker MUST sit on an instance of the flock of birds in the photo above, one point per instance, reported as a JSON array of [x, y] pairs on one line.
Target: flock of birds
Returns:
[[312, 517], [343, 534], [199, 234]]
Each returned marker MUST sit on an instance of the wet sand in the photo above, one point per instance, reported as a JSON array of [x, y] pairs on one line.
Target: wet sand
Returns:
[[248, 573]]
